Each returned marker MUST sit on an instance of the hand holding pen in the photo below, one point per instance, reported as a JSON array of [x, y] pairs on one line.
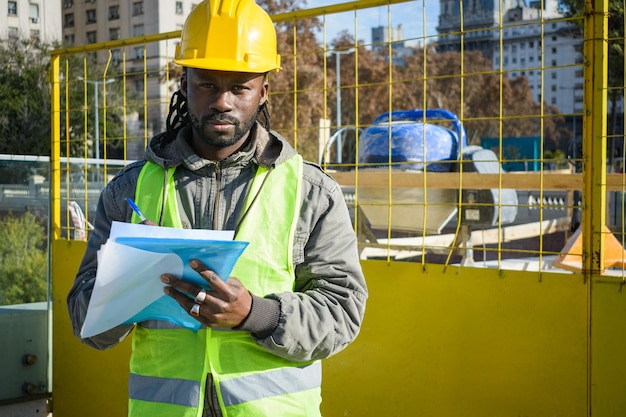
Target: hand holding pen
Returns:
[[144, 219]]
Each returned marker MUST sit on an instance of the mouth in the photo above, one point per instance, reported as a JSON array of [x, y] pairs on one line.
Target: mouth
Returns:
[[218, 124]]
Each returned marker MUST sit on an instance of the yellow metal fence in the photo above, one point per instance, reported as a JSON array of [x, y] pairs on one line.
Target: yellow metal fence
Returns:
[[480, 321], [396, 120]]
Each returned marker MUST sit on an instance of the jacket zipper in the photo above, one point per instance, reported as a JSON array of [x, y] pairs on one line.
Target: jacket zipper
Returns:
[[210, 396], [218, 181]]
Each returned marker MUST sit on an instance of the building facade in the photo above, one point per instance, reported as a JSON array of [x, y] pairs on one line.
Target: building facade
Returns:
[[521, 40], [34, 19], [90, 21]]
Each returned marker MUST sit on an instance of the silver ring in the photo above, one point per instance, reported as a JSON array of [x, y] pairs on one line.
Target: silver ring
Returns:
[[195, 310], [200, 297]]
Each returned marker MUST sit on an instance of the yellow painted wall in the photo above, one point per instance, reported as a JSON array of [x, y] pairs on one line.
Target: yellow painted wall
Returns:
[[85, 381], [470, 342], [608, 359]]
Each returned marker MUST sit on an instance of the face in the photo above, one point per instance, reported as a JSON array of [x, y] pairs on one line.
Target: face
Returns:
[[223, 106]]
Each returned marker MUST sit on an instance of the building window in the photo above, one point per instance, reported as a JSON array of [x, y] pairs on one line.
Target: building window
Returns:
[[139, 52], [35, 34], [13, 33], [137, 8], [114, 12], [91, 16], [68, 3], [553, 88], [553, 75], [179, 7], [91, 36], [138, 86], [68, 20], [138, 30], [554, 62], [12, 10], [116, 56], [531, 44], [554, 50], [69, 39], [114, 34], [553, 100], [34, 13]]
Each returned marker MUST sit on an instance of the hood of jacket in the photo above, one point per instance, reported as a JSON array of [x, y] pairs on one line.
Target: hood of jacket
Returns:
[[265, 148]]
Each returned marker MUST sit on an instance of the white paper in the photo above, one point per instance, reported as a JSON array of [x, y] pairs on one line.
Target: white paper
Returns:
[[121, 229], [114, 300], [127, 280]]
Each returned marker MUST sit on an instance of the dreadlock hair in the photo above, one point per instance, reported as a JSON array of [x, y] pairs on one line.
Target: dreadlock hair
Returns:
[[178, 116]]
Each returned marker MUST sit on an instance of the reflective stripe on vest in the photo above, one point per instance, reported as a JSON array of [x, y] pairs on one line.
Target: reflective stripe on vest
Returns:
[[165, 390], [169, 364], [234, 391]]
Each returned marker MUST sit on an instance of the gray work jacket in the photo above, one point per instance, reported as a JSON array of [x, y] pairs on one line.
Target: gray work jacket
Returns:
[[323, 314]]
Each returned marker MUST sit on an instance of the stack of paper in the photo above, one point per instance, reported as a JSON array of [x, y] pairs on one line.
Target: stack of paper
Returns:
[[128, 288]]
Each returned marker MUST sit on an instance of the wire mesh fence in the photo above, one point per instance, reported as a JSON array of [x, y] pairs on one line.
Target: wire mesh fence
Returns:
[[477, 135]]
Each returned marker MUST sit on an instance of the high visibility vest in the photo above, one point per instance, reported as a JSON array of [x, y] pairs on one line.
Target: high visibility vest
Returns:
[[169, 364]]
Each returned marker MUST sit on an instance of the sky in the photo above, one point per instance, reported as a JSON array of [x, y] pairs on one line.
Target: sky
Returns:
[[409, 15]]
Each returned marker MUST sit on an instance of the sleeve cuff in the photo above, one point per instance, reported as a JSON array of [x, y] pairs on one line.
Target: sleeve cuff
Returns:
[[263, 317]]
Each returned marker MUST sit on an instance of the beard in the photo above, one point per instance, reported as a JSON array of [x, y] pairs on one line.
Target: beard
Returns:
[[222, 139]]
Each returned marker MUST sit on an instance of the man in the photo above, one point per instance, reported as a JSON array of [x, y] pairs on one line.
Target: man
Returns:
[[297, 294]]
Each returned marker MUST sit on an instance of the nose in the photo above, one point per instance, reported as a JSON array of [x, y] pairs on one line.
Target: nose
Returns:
[[222, 101]]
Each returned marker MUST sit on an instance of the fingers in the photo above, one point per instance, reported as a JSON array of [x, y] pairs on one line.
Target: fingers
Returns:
[[225, 304], [215, 282]]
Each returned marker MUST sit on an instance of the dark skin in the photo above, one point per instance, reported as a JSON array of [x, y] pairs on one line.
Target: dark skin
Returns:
[[223, 107]]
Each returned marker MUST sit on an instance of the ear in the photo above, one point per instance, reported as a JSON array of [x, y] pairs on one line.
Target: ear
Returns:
[[265, 89]]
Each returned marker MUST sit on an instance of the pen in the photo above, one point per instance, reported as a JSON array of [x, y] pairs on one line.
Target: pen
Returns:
[[136, 209]]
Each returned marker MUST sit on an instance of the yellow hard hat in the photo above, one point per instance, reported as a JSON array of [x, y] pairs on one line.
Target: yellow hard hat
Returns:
[[228, 35]]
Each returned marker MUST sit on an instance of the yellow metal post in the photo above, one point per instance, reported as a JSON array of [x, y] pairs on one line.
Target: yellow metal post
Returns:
[[594, 143], [55, 149]]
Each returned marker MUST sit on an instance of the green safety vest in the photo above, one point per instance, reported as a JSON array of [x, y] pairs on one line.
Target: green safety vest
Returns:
[[169, 364]]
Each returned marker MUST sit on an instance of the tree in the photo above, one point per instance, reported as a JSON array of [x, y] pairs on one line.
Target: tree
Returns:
[[24, 98], [80, 77], [25, 101], [23, 260], [472, 91], [302, 64]]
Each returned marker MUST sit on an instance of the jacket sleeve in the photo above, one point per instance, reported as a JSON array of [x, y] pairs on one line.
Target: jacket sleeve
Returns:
[[109, 209], [324, 313]]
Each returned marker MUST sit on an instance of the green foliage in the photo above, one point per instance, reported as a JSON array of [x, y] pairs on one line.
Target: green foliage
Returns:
[[25, 95], [24, 98], [23, 260]]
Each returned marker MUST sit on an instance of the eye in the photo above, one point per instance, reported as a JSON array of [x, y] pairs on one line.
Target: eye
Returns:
[[239, 88]]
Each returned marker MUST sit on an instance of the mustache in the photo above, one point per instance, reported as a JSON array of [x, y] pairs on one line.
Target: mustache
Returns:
[[220, 117]]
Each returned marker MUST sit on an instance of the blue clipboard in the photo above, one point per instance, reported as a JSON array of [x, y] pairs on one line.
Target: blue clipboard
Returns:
[[218, 255]]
